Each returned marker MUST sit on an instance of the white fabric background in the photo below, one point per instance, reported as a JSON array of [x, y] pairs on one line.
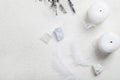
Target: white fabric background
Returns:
[[24, 57]]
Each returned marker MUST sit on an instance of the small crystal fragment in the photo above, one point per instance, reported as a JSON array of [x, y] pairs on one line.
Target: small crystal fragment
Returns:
[[46, 38], [59, 34], [98, 68]]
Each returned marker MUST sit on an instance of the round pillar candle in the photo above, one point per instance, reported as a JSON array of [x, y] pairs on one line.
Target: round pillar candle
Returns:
[[98, 12], [109, 42]]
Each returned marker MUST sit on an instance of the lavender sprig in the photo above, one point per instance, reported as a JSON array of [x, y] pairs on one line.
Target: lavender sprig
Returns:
[[54, 4], [71, 6]]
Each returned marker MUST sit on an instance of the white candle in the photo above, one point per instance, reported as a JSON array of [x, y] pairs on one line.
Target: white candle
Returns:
[[109, 42], [97, 13]]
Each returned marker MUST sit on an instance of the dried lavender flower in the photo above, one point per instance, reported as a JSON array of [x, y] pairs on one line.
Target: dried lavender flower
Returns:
[[71, 6], [54, 4], [62, 8]]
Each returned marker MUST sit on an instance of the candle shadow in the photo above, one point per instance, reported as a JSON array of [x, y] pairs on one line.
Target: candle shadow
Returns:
[[101, 56]]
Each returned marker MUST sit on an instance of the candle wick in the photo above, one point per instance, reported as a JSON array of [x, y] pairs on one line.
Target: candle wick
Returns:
[[100, 10], [111, 41]]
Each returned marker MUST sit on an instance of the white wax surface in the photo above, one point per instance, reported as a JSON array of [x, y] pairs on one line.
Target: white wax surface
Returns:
[[98, 12], [109, 42]]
